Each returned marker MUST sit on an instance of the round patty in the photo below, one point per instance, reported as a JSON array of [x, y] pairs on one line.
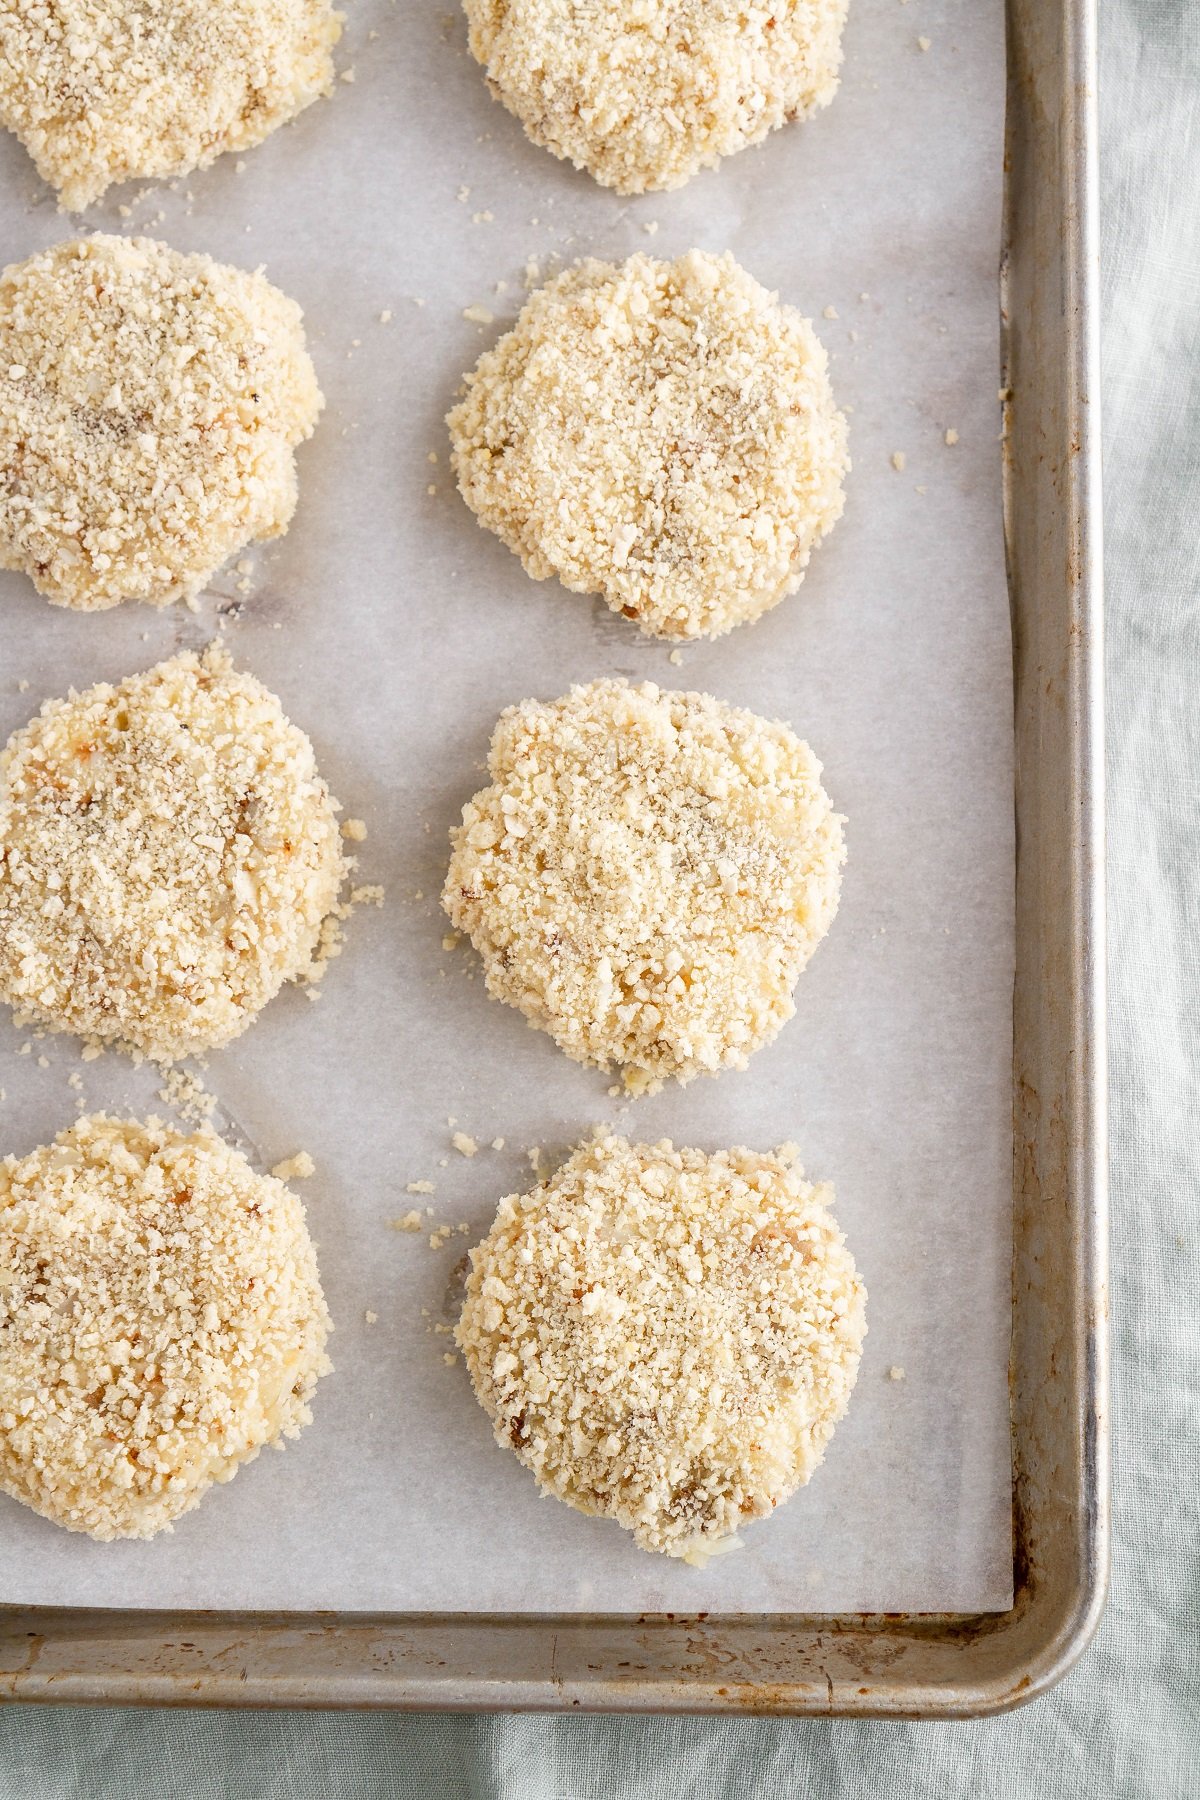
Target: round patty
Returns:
[[647, 875], [150, 405], [168, 853], [666, 1338], [161, 1319], [101, 91], [661, 434], [643, 93]]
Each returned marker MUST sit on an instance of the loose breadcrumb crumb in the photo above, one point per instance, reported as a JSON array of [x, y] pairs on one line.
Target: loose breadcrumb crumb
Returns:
[[662, 434], [295, 1168], [951, 436], [409, 1221], [150, 434], [895, 1373], [188, 1095], [355, 830], [161, 1319], [647, 875], [643, 95], [168, 854], [899, 461], [420, 1187], [101, 91], [666, 1338], [466, 1146]]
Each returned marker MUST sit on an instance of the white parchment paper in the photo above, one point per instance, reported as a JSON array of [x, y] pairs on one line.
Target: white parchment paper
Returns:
[[395, 630]]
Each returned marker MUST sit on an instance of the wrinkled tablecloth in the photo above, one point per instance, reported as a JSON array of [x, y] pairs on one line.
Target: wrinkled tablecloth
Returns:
[[1126, 1721]]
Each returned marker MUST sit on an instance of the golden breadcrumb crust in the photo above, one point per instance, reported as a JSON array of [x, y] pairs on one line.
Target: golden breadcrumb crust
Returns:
[[643, 93], [647, 875], [150, 405], [662, 434], [101, 91], [161, 1319], [666, 1338], [168, 853]]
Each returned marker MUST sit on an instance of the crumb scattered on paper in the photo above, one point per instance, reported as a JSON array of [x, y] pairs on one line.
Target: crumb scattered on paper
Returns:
[[188, 1095], [898, 460], [295, 1168], [466, 1146]]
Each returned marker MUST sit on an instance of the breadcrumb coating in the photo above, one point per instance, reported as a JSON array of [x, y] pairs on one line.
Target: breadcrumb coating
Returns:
[[150, 405], [662, 434], [168, 853], [101, 91], [666, 1338], [647, 875], [644, 93], [161, 1319]]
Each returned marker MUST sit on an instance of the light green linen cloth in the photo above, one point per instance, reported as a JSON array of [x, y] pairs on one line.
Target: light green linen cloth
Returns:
[[1126, 1722]]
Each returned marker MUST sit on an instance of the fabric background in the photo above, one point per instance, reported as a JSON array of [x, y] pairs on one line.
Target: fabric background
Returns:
[[1126, 1722]]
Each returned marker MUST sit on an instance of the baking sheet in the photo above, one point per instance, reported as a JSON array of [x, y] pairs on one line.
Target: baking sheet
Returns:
[[395, 630]]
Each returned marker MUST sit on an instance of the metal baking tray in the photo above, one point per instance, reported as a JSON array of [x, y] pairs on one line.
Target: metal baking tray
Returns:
[[890, 1664]]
